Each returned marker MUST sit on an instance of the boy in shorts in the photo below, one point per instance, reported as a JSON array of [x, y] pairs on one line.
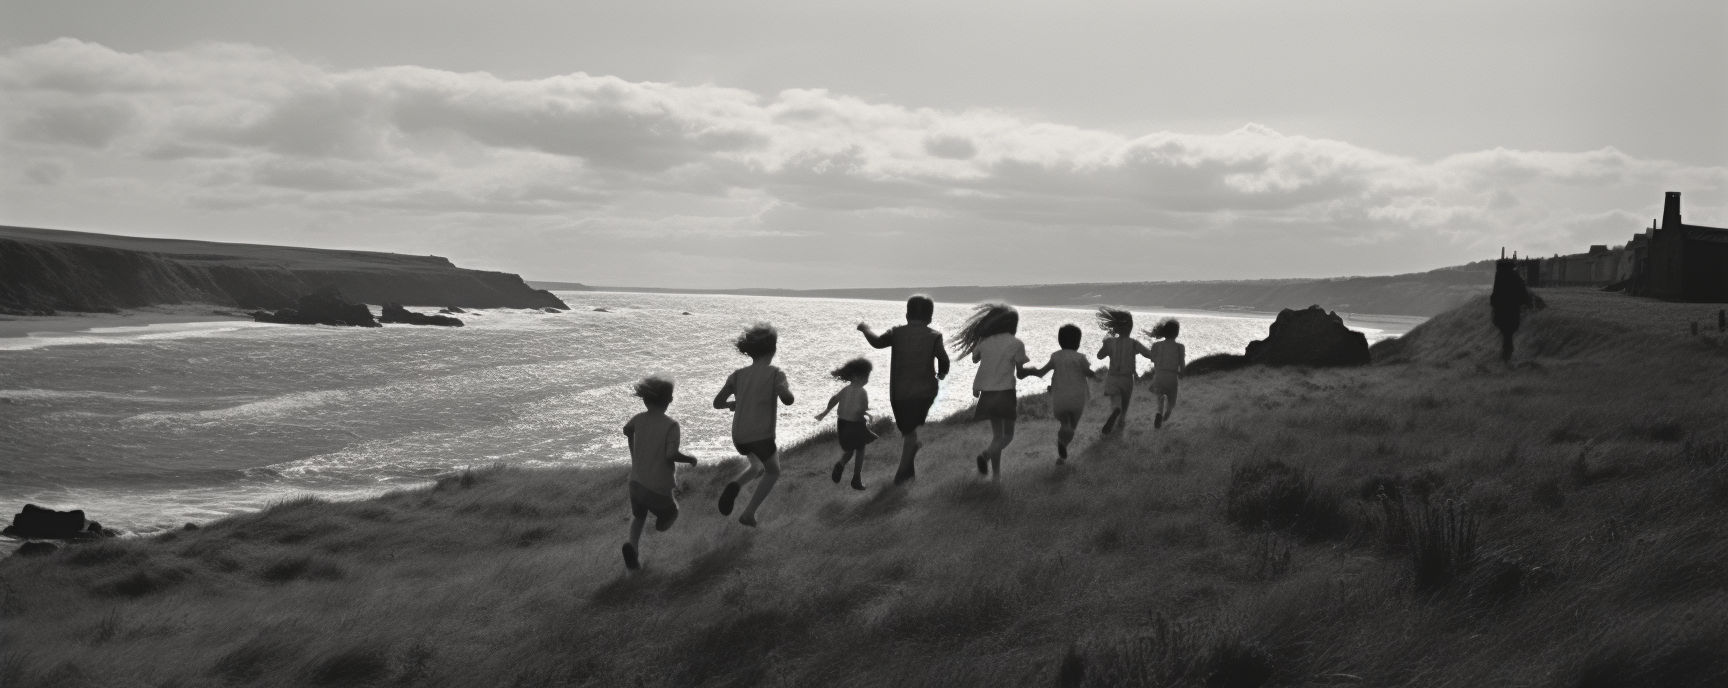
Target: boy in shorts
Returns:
[[756, 387], [918, 362], [1120, 347], [1068, 389], [1169, 358], [653, 437]]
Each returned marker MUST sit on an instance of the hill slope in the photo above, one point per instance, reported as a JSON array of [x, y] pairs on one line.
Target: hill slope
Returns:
[[43, 270], [1437, 520]]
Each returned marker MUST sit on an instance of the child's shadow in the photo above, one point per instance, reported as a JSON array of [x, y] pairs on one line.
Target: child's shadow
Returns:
[[703, 572]]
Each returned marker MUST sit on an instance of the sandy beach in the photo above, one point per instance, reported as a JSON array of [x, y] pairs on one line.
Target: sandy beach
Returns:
[[26, 325]]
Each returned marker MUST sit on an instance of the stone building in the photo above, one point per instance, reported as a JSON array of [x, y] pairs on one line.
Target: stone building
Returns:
[[1682, 261]]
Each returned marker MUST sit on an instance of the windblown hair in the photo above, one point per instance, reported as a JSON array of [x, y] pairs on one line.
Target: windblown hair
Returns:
[[760, 339], [920, 307], [1115, 320], [1166, 328], [655, 389], [987, 320], [1068, 336], [853, 369]]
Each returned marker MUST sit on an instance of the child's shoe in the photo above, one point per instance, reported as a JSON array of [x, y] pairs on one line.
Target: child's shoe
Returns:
[[983, 465], [857, 482], [630, 561], [727, 497], [1157, 421], [839, 470]]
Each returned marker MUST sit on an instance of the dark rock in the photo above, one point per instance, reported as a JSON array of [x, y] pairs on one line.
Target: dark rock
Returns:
[[601, 310], [686, 313], [451, 309], [323, 307], [35, 549], [395, 313], [190, 526], [1216, 363], [37, 523], [1311, 336]]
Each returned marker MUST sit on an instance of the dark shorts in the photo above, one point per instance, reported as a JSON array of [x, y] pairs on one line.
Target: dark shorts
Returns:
[[644, 501], [761, 449], [854, 434], [911, 412], [998, 405]]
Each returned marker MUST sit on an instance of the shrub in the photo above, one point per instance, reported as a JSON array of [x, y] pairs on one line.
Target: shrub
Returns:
[[1273, 495], [1442, 544]]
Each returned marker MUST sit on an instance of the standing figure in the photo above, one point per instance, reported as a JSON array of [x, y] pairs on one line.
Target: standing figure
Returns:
[[918, 363], [756, 387], [1508, 301], [1120, 347], [1169, 358], [653, 437], [852, 424], [988, 336], [1068, 389]]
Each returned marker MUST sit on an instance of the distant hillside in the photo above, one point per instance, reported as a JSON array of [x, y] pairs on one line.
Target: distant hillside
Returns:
[[44, 270], [1419, 294]]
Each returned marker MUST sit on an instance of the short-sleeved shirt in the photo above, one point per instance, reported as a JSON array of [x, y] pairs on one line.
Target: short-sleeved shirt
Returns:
[[1069, 379], [998, 357], [916, 355], [654, 441], [1121, 352], [1168, 356], [854, 401], [758, 389]]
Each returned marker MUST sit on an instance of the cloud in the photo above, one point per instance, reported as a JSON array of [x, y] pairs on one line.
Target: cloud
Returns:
[[242, 128]]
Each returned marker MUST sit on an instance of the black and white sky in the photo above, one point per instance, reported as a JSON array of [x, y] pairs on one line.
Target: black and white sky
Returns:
[[882, 143]]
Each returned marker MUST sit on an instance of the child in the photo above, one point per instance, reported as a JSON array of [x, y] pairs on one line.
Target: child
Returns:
[[1168, 360], [1120, 347], [755, 387], [1068, 390], [989, 337], [919, 362], [854, 419], [653, 438]]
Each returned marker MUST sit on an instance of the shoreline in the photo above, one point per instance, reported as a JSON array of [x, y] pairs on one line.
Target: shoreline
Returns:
[[17, 326]]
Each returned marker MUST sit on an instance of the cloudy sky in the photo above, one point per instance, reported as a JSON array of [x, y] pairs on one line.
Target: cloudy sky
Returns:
[[880, 143]]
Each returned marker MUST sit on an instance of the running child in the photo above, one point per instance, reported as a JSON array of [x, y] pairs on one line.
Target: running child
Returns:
[[918, 363], [1068, 389], [853, 421], [754, 388], [1169, 359], [653, 438], [988, 336], [1120, 347]]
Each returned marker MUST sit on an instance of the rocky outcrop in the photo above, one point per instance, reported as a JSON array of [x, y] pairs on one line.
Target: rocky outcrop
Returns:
[[35, 549], [323, 307], [394, 313], [1215, 363], [44, 270], [1311, 336], [37, 523]]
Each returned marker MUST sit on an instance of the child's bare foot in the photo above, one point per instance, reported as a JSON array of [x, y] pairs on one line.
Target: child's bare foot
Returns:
[[857, 482], [1061, 453], [630, 561], [983, 465], [748, 519], [727, 497], [839, 470]]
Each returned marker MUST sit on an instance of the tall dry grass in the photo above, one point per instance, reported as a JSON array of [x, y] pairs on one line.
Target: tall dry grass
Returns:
[[1436, 520]]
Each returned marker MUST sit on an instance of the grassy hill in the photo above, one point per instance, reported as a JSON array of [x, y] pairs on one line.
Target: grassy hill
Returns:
[[1434, 519]]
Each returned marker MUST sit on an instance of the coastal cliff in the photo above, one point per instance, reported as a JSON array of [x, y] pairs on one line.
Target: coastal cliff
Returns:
[[1415, 294], [45, 270]]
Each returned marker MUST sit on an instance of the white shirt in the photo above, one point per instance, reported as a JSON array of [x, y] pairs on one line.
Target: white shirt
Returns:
[[998, 357]]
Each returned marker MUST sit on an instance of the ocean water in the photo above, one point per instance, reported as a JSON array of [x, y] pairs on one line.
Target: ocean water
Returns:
[[150, 427]]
